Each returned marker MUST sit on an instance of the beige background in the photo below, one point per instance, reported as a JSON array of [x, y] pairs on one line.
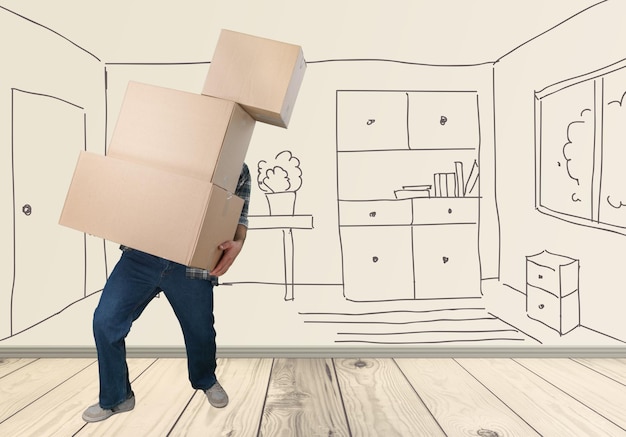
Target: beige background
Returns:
[[55, 57]]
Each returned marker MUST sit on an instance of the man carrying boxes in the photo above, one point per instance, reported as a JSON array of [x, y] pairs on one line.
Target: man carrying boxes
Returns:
[[174, 191]]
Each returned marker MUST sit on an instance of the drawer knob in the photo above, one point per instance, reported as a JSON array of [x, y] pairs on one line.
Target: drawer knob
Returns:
[[445, 259], [375, 259], [443, 120], [541, 306], [27, 209], [372, 214], [449, 210], [371, 121], [539, 276]]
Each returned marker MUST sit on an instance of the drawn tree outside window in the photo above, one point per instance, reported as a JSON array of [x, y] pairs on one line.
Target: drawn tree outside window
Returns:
[[581, 150], [613, 188]]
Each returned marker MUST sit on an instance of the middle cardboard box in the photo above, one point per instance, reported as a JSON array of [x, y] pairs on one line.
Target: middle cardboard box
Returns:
[[190, 134], [167, 184]]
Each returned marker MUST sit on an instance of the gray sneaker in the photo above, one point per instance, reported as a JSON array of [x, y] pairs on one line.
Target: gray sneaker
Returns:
[[95, 413], [217, 396]]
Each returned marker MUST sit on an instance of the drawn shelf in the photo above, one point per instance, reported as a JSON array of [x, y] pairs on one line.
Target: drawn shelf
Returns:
[[407, 166]]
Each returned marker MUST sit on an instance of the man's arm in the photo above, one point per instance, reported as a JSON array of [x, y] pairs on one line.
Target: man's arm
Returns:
[[231, 250], [233, 247]]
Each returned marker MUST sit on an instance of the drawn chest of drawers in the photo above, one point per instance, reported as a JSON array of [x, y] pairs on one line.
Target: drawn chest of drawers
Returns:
[[552, 293]]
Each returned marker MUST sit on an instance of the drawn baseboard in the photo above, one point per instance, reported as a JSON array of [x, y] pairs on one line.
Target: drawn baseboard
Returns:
[[331, 352]]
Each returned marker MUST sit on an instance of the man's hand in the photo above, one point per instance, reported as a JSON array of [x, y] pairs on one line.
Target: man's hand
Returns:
[[231, 250]]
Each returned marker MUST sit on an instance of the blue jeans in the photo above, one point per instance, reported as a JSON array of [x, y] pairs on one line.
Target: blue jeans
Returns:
[[136, 279]]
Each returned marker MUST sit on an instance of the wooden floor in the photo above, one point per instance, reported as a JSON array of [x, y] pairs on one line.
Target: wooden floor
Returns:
[[327, 397]]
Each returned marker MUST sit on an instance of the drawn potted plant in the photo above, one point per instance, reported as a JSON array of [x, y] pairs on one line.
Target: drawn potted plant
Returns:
[[280, 179]]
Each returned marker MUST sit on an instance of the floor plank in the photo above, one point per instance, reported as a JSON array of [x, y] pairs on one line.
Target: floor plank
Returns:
[[10, 365], [246, 382], [304, 400], [459, 403], [21, 388], [161, 393], [380, 402], [546, 408], [614, 368], [599, 393], [58, 413]]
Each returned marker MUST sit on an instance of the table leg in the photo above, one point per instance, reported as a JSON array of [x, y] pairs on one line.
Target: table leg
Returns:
[[288, 260]]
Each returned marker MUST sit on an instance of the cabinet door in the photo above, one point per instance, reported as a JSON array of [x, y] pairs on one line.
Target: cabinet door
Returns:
[[446, 261], [443, 120], [377, 262], [371, 120]]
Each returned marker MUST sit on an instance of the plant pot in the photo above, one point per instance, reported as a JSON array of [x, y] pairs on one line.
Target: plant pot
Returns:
[[281, 203]]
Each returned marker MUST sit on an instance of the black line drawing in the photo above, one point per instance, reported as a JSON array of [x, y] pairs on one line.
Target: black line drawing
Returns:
[[280, 179], [552, 291], [419, 243], [582, 180], [444, 194], [64, 126]]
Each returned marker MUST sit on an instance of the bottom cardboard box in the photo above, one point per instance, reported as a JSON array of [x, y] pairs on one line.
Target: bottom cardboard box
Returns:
[[178, 218]]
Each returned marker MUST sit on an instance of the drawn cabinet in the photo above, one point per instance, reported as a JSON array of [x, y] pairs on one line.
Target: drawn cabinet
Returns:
[[552, 296], [408, 197], [442, 120], [445, 247], [377, 262]]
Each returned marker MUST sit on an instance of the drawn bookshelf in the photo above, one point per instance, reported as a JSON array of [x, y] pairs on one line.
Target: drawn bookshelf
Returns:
[[408, 190]]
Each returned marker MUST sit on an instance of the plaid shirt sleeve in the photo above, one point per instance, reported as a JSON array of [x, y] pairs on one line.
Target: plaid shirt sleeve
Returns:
[[243, 190]]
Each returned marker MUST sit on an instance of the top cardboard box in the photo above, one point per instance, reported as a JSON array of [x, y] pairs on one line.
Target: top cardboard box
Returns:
[[262, 75], [190, 134]]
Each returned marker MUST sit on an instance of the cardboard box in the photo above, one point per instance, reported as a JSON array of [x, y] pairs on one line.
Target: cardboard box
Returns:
[[191, 134], [163, 213], [262, 75]]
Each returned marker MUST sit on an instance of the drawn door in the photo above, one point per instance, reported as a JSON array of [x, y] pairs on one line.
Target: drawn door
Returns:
[[49, 269]]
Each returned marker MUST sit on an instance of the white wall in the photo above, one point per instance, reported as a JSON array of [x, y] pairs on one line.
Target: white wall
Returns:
[[571, 50], [417, 46]]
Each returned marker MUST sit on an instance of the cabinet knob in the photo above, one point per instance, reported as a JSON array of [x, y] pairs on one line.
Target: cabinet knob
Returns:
[[445, 259], [27, 209], [541, 306], [443, 120], [539, 276], [375, 259], [372, 214], [449, 210]]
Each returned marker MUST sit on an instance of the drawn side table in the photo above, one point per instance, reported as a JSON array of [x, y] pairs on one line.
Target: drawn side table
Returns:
[[286, 224]]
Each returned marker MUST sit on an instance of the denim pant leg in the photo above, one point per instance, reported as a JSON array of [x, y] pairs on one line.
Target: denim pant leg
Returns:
[[131, 286], [192, 302]]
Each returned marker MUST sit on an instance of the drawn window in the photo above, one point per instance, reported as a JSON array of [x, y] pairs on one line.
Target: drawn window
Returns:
[[581, 149]]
